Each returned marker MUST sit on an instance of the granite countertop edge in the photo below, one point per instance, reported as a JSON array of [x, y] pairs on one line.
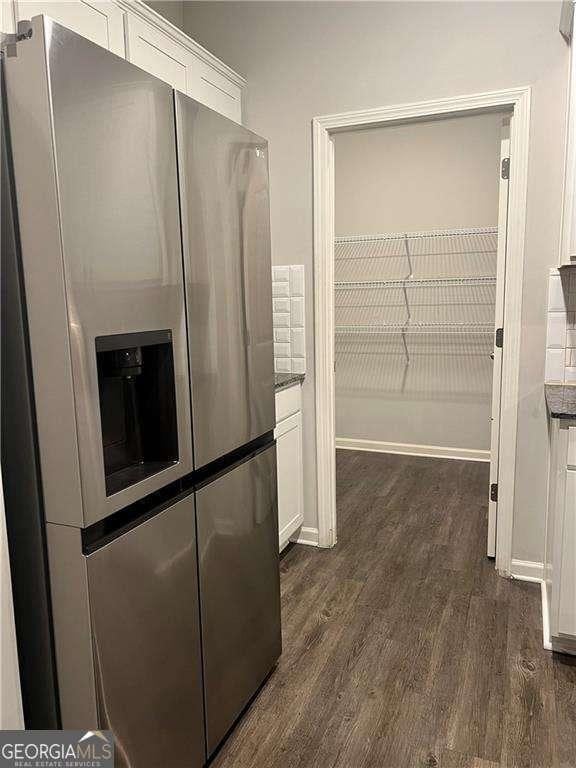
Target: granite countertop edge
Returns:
[[561, 400], [285, 380]]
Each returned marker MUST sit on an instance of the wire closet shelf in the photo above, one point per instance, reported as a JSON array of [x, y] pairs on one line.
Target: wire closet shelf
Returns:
[[413, 274]]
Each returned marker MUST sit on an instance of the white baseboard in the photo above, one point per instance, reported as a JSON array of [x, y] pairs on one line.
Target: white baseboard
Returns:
[[288, 531], [308, 536], [433, 451], [527, 570]]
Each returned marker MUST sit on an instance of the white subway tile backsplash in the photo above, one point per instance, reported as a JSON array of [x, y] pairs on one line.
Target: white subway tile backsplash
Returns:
[[297, 342], [555, 294], [298, 365], [281, 274], [283, 365], [281, 319], [281, 334], [554, 365], [281, 349], [288, 317], [280, 289], [556, 329], [297, 312], [561, 327], [297, 280], [281, 305]]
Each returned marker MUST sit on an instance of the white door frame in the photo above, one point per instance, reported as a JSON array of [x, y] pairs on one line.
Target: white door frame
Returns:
[[498, 351], [517, 99]]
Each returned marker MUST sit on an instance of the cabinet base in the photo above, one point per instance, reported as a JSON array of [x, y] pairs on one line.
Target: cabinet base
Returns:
[[552, 643]]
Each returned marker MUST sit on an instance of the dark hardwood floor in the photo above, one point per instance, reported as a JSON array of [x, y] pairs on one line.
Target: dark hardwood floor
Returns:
[[402, 647]]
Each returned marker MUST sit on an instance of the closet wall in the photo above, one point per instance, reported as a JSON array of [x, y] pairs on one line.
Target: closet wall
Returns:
[[413, 360]]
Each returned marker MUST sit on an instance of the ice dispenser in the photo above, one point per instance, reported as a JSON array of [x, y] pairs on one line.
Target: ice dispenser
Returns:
[[137, 406]]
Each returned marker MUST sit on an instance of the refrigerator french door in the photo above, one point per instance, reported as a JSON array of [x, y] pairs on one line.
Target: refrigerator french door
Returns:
[[237, 519], [223, 175]]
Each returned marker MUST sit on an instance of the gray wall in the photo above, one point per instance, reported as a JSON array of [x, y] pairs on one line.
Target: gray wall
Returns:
[[440, 174], [306, 59], [173, 10]]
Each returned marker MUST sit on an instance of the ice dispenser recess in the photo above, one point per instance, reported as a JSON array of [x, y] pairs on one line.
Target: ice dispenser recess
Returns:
[[137, 406]]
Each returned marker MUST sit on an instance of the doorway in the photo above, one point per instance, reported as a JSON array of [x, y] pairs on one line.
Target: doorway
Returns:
[[501, 444]]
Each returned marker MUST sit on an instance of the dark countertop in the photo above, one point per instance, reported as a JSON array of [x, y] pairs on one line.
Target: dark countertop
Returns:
[[561, 400], [283, 380]]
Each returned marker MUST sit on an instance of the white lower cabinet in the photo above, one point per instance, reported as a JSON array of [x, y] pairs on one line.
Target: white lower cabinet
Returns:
[[567, 575], [560, 555], [288, 435]]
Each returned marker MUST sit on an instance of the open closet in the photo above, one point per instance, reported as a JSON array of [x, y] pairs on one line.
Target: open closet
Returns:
[[414, 316], [419, 261]]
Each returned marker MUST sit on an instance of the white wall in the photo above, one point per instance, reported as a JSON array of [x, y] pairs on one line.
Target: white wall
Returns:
[[426, 175], [305, 59]]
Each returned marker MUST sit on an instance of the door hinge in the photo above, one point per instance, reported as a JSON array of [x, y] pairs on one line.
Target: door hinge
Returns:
[[499, 337], [505, 170], [494, 492]]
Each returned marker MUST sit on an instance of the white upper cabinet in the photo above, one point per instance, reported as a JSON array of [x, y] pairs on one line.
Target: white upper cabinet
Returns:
[[169, 54], [219, 92], [131, 29], [152, 50], [101, 22]]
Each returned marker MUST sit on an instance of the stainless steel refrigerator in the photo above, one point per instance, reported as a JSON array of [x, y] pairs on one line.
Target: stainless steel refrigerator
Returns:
[[137, 370]]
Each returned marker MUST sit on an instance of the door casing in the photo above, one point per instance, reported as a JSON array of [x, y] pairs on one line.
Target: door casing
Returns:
[[518, 101], [498, 350]]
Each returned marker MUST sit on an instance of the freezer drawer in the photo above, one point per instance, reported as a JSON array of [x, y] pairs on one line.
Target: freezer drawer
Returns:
[[239, 587], [223, 175], [143, 593]]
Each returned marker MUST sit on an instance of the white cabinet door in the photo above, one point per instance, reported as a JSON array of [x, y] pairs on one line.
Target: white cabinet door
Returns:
[[288, 401], [566, 573], [182, 67], [213, 89], [99, 21], [290, 477], [150, 49]]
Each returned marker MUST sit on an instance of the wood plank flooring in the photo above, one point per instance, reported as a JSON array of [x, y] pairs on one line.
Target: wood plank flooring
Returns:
[[402, 647]]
